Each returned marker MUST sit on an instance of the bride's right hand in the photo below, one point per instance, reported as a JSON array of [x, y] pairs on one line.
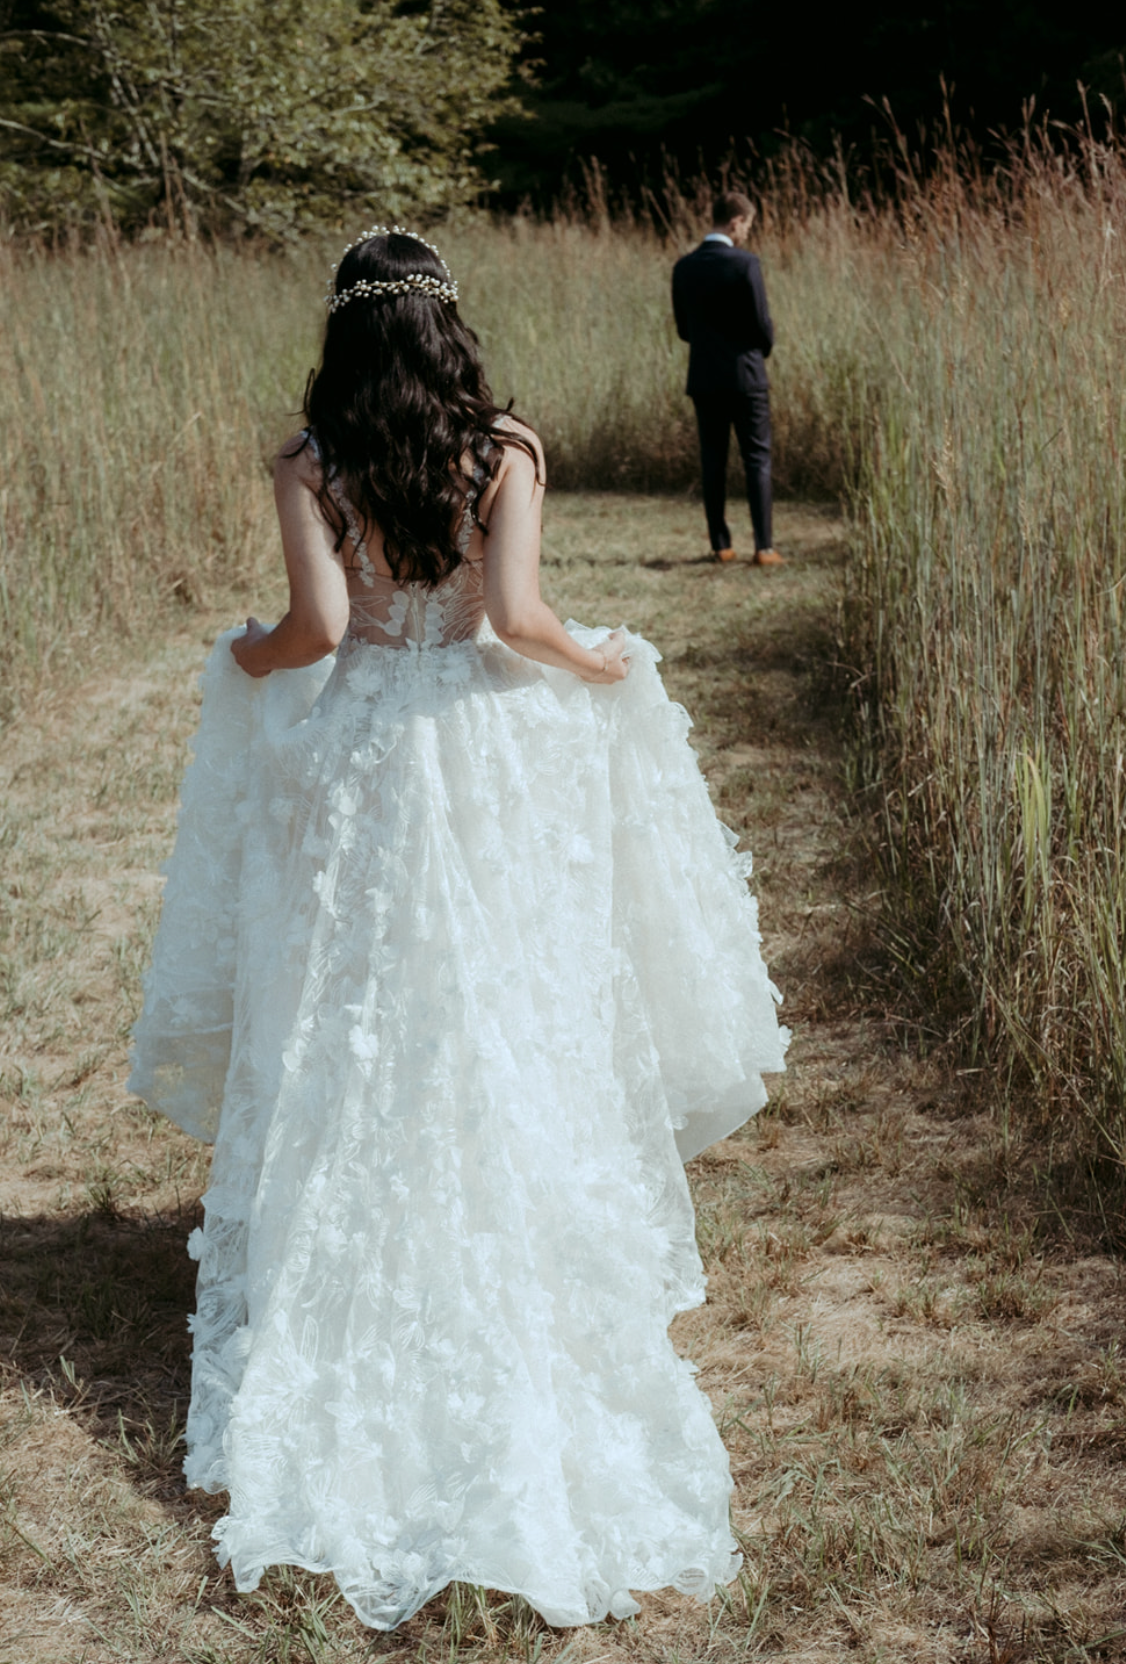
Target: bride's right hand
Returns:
[[243, 648], [615, 660]]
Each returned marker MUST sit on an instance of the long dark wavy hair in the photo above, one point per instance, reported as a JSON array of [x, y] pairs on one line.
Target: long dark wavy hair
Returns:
[[400, 408]]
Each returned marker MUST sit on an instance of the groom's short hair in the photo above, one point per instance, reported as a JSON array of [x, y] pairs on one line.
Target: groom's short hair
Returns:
[[731, 205]]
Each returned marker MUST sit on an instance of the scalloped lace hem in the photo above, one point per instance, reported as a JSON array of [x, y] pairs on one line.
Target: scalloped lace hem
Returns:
[[384, 1603]]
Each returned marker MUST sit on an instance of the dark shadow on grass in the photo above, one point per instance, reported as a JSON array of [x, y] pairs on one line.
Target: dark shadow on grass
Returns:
[[676, 565], [94, 1310], [630, 562]]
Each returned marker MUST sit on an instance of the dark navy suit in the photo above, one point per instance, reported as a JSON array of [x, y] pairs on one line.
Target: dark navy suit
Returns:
[[720, 305]]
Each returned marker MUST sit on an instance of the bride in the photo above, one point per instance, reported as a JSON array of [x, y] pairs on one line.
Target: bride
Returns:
[[456, 967]]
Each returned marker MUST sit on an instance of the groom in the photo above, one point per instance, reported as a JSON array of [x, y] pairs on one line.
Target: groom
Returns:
[[720, 305]]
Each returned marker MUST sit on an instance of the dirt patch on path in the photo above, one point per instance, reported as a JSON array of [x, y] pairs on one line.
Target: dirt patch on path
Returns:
[[925, 1405]]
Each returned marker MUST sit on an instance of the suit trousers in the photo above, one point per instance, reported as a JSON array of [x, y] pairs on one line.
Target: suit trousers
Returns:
[[749, 414]]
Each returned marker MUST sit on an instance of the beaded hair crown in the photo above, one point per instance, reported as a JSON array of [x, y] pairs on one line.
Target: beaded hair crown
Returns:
[[423, 282]]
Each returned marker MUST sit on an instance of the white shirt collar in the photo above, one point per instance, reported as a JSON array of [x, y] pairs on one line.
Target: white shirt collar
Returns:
[[719, 237]]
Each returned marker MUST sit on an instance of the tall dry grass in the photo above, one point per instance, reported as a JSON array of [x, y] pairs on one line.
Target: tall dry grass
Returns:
[[130, 432], [149, 386], [986, 616]]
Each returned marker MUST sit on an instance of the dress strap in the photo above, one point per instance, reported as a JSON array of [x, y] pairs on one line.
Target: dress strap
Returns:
[[351, 518], [472, 492]]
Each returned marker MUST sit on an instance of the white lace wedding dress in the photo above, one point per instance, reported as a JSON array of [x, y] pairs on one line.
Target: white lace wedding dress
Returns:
[[456, 966]]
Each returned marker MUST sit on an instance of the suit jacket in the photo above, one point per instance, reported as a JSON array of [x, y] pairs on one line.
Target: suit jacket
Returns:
[[719, 301]]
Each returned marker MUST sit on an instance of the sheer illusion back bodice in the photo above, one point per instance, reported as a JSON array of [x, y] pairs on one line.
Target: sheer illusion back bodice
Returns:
[[388, 612]]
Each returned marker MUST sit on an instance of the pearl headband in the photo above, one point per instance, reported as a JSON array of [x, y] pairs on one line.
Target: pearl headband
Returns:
[[422, 281]]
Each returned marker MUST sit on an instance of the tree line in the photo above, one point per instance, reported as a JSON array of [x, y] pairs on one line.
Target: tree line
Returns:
[[645, 85], [269, 116], [273, 116]]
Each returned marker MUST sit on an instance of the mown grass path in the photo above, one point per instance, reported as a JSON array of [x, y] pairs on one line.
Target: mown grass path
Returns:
[[923, 1397]]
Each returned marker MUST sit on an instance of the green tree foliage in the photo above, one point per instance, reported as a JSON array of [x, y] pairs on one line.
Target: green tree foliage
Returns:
[[268, 115]]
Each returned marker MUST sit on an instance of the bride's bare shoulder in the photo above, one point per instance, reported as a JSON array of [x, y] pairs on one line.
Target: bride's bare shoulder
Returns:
[[299, 459], [521, 447]]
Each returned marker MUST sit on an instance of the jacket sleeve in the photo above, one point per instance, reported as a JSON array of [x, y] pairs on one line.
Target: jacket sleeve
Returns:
[[679, 309], [757, 289]]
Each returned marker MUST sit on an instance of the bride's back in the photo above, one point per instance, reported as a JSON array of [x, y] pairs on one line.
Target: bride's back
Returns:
[[389, 611]]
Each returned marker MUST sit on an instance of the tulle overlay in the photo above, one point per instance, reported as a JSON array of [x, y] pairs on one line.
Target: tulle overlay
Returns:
[[457, 967]]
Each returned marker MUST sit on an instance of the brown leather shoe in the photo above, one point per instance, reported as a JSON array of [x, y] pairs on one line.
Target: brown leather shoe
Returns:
[[724, 554], [768, 557]]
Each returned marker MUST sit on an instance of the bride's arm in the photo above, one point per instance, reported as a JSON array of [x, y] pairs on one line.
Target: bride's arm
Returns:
[[318, 590], [517, 612]]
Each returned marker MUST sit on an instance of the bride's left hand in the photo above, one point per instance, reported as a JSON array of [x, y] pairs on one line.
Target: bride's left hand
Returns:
[[243, 647]]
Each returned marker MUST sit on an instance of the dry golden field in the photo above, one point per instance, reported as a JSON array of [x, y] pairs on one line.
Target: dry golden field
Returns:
[[917, 1369]]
